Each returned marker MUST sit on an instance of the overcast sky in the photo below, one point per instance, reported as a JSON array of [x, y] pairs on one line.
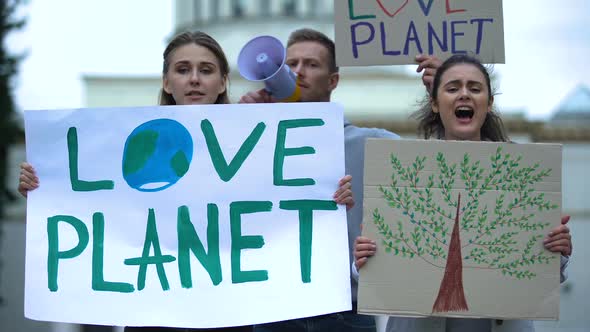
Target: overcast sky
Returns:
[[547, 49]]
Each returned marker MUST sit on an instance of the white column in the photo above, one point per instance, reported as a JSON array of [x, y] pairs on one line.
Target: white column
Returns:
[[325, 7], [275, 7], [302, 8], [225, 10], [183, 12], [205, 10], [250, 8]]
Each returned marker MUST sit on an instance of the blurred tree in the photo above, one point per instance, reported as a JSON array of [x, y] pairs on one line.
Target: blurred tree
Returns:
[[10, 130]]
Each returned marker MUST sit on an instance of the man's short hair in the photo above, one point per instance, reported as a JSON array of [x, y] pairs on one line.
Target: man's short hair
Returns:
[[303, 35]]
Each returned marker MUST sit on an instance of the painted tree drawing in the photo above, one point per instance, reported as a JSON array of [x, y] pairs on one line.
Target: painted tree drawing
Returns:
[[446, 221]]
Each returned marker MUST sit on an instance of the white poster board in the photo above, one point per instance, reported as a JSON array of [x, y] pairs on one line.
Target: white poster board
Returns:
[[186, 216], [459, 228], [393, 32]]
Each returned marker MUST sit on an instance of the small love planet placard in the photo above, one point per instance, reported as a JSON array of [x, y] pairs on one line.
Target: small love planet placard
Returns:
[[386, 32]]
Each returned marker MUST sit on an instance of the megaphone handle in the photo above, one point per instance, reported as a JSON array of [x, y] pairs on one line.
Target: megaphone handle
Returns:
[[296, 96], [293, 97]]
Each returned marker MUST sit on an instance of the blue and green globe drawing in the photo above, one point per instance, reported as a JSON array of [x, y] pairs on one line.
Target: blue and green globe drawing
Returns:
[[157, 154]]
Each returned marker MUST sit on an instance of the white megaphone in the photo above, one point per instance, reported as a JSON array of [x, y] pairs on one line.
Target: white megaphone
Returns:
[[263, 59]]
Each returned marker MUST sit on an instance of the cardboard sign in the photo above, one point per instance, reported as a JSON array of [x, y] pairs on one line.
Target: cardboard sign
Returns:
[[459, 228], [186, 216], [393, 32]]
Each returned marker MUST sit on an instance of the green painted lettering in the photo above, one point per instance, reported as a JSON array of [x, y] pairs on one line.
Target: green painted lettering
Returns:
[[53, 253], [151, 240], [351, 12], [77, 184], [306, 208], [189, 240], [239, 242], [98, 282], [225, 171], [281, 151]]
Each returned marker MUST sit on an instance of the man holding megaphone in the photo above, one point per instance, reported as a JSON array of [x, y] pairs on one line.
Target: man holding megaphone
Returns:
[[309, 57], [306, 71]]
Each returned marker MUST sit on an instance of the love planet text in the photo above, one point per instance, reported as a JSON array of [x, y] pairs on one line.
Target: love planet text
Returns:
[[149, 165], [422, 34]]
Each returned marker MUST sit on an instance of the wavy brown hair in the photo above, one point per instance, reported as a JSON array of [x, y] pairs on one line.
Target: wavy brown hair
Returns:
[[202, 39], [430, 123]]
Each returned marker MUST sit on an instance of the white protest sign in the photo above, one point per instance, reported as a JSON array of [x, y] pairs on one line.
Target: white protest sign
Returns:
[[187, 216], [384, 32]]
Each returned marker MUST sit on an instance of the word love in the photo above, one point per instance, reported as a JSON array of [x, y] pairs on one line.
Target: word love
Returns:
[[158, 153], [425, 7], [422, 34]]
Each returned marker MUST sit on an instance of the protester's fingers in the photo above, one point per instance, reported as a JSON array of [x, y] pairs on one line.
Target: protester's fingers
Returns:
[[27, 166], [363, 243], [29, 176], [564, 220], [429, 72], [562, 247], [428, 77], [261, 96], [360, 262], [365, 247], [363, 240], [421, 57], [22, 191], [421, 61], [344, 196], [343, 184], [342, 193], [561, 242], [557, 237], [255, 97], [246, 99], [427, 81], [427, 62], [251, 98], [24, 187], [265, 96], [361, 256], [561, 229], [28, 182], [345, 179]]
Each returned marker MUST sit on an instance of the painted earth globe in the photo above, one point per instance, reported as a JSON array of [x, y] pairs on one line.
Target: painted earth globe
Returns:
[[157, 154]]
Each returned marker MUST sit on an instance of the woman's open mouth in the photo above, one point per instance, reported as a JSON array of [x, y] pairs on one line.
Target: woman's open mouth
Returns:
[[464, 112]]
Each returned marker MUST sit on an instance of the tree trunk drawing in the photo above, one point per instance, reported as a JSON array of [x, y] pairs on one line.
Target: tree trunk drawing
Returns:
[[451, 296]]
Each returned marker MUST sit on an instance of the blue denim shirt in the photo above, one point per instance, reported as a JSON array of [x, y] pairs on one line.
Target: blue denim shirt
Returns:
[[354, 151]]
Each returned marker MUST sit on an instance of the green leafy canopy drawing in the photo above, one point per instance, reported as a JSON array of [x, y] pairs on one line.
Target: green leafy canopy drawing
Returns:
[[452, 232]]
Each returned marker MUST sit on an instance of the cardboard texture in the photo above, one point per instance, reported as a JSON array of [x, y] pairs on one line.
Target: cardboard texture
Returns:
[[393, 32], [459, 229]]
